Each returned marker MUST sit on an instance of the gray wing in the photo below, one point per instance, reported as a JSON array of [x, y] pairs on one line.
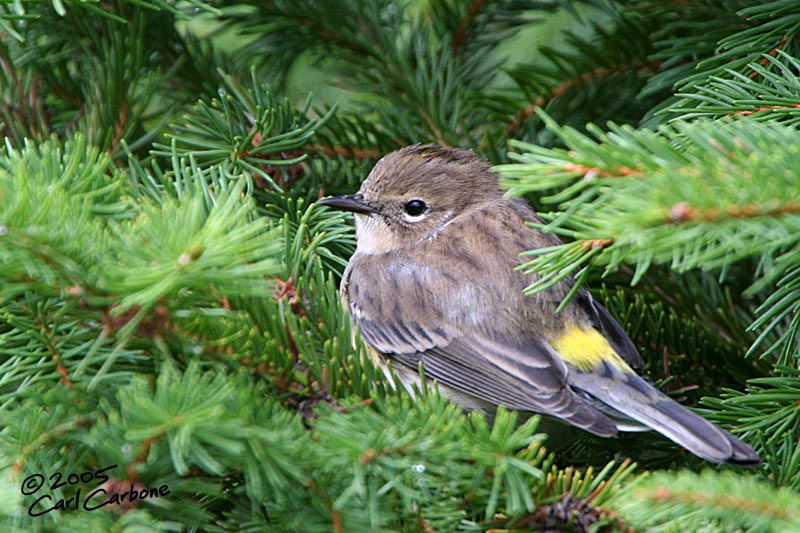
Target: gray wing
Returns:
[[511, 376], [473, 358]]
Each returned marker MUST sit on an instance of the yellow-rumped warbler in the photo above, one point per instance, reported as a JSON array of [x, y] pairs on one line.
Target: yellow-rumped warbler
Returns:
[[433, 282]]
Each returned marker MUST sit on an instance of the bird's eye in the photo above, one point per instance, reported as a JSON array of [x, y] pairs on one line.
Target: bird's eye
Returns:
[[415, 208]]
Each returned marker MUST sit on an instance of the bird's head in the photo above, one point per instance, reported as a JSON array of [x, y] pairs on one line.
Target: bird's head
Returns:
[[412, 193]]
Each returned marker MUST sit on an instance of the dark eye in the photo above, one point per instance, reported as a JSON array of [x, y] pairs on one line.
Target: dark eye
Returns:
[[415, 208]]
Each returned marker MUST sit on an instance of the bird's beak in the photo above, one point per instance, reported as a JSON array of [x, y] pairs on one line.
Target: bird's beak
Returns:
[[350, 202]]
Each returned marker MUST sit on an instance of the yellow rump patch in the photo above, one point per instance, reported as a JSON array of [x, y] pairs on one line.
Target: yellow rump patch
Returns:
[[586, 348]]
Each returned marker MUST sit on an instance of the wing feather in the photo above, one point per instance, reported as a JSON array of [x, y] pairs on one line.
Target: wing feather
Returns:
[[497, 373]]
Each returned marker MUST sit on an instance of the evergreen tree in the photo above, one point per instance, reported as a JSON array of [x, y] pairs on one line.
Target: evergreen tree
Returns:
[[173, 351]]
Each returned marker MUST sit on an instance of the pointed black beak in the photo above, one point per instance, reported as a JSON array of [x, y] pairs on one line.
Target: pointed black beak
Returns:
[[350, 202]]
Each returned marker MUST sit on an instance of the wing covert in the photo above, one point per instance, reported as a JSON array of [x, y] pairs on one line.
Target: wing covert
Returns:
[[524, 378]]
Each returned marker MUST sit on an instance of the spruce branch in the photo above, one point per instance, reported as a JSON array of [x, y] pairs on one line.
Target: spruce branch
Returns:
[[244, 132], [558, 91], [714, 501], [460, 35], [473, 24], [743, 35], [22, 109], [592, 66], [768, 93], [198, 423], [326, 28], [50, 221], [348, 145], [766, 412], [683, 208], [63, 8], [103, 75], [176, 312], [778, 323], [183, 246]]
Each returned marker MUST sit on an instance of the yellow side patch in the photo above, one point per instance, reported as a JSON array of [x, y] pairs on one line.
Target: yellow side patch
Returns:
[[585, 348]]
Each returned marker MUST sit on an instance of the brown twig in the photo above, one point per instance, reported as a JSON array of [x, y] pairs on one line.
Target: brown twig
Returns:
[[617, 172], [764, 61], [684, 212], [423, 523], [570, 85], [766, 108], [460, 35], [591, 244], [437, 133], [700, 498], [154, 324], [55, 353], [119, 128]]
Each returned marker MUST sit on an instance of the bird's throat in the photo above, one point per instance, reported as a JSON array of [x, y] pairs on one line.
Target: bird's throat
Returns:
[[374, 236]]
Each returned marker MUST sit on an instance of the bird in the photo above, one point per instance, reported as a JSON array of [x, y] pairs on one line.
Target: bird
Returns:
[[434, 284]]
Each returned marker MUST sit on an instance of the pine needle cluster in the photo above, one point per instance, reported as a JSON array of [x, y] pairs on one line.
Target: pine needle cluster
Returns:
[[173, 352]]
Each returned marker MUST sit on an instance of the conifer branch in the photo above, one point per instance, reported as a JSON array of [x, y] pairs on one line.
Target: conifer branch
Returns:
[[460, 36], [734, 502], [568, 86], [684, 212], [775, 51], [345, 151], [169, 291]]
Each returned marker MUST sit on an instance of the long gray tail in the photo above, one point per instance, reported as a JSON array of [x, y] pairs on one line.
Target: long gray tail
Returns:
[[633, 397]]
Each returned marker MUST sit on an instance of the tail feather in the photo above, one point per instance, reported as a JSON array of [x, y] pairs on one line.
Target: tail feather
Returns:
[[693, 432], [743, 454], [633, 397]]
